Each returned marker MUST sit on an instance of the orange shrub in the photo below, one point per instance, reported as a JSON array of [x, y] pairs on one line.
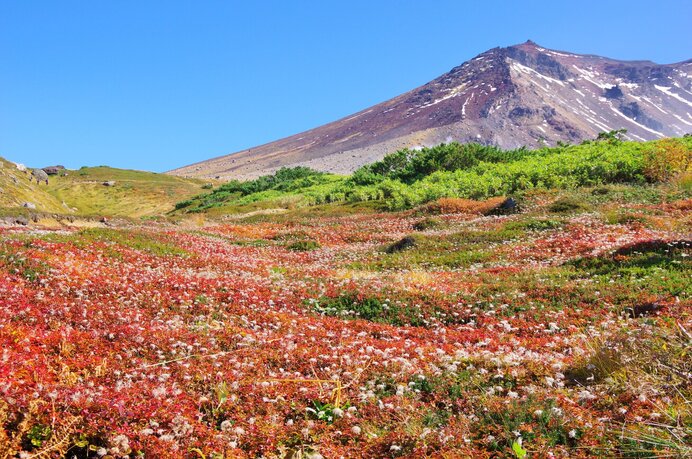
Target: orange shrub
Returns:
[[682, 204], [463, 206], [667, 159]]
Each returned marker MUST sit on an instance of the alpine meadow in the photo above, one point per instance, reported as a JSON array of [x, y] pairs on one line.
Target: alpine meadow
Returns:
[[494, 264]]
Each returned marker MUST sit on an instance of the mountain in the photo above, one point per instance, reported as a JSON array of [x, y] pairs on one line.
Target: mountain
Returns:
[[519, 95]]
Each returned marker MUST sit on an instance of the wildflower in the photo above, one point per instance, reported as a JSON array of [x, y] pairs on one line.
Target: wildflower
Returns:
[[181, 428], [586, 395], [226, 426], [356, 430], [121, 445]]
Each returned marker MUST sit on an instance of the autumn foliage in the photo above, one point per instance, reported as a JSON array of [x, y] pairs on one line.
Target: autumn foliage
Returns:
[[228, 341], [667, 159]]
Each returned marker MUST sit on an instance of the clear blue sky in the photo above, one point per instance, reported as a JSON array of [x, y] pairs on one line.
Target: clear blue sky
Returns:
[[158, 84]]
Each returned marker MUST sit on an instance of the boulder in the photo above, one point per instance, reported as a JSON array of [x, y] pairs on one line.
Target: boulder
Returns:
[[53, 170], [40, 175], [21, 221], [109, 183], [29, 205]]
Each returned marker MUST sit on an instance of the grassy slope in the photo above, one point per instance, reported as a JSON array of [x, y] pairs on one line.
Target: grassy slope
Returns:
[[16, 190], [135, 194]]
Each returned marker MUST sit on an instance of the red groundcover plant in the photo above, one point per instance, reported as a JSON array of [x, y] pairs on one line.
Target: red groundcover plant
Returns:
[[489, 337]]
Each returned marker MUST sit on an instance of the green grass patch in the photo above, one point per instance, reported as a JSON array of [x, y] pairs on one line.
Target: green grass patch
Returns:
[[132, 239], [352, 306], [303, 246]]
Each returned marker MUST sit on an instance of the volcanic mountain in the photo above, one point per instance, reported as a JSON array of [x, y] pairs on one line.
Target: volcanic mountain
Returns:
[[519, 95]]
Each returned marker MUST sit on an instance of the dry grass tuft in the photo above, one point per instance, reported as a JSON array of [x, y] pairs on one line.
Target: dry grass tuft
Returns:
[[16, 432], [655, 365]]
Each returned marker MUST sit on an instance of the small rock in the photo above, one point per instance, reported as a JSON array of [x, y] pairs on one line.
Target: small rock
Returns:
[[29, 205], [508, 206]]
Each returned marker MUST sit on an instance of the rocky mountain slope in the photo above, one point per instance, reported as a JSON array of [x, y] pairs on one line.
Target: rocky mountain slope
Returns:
[[519, 95]]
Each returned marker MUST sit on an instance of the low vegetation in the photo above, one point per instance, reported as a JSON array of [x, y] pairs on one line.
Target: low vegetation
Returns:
[[559, 329]]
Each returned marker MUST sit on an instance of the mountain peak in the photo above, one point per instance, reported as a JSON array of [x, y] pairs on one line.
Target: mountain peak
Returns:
[[519, 95], [528, 45]]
